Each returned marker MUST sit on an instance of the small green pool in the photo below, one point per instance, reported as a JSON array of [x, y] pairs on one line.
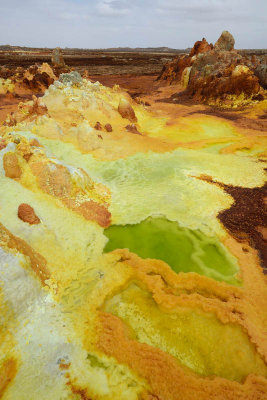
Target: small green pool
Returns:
[[184, 250]]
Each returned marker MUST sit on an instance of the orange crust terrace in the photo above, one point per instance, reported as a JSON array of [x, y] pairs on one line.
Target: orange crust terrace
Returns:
[[166, 378], [170, 292]]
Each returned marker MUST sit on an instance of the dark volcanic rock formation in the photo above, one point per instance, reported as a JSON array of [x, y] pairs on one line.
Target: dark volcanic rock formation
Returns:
[[218, 74], [221, 76], [173, 70]]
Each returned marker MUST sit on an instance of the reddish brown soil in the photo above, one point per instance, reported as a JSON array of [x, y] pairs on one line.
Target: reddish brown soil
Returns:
[[96, 62], [9, 102], [246, 218], [136, 85]]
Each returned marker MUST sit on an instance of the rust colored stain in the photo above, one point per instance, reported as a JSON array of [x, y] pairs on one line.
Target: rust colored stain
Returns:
[[7, 374], [247, 216], [2, 144], [93, 211], [78, 391], [38, 262], [64, 365]]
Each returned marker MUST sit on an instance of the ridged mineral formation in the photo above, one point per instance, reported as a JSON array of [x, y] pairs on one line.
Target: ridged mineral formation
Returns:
[[122, 274]]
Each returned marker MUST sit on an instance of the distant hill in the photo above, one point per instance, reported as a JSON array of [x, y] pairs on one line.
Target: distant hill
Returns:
[[8, 47], [162, 49], [145, 49]]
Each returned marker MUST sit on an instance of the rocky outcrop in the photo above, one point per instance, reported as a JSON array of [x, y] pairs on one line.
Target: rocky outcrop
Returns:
[[221, 85], [36, 78], [225, 42], [173, 70], [201, 46], [58, 63], [39, 78], [57, 58], [218, 75], [261, 73]]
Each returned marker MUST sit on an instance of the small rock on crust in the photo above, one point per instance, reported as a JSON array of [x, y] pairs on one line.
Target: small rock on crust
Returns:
[[26, 213], [132, 128], [98, 126], [108, 128], [225, 42], [126, 110]]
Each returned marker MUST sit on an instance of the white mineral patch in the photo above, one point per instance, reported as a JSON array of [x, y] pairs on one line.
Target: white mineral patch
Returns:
[[40, 340]]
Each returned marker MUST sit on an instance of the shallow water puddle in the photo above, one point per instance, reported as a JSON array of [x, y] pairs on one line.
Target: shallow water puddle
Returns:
[[183, 249]]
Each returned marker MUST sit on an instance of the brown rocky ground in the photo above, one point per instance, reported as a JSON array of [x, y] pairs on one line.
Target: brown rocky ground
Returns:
[[96, 62]]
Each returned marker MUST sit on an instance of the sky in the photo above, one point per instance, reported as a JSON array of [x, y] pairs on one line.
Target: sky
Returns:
[[134, 23]]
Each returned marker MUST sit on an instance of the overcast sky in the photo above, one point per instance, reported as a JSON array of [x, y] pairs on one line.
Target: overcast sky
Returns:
[[134, 23]]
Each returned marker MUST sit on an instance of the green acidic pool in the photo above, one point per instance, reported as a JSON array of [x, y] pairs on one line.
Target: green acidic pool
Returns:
[[184, 250]]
